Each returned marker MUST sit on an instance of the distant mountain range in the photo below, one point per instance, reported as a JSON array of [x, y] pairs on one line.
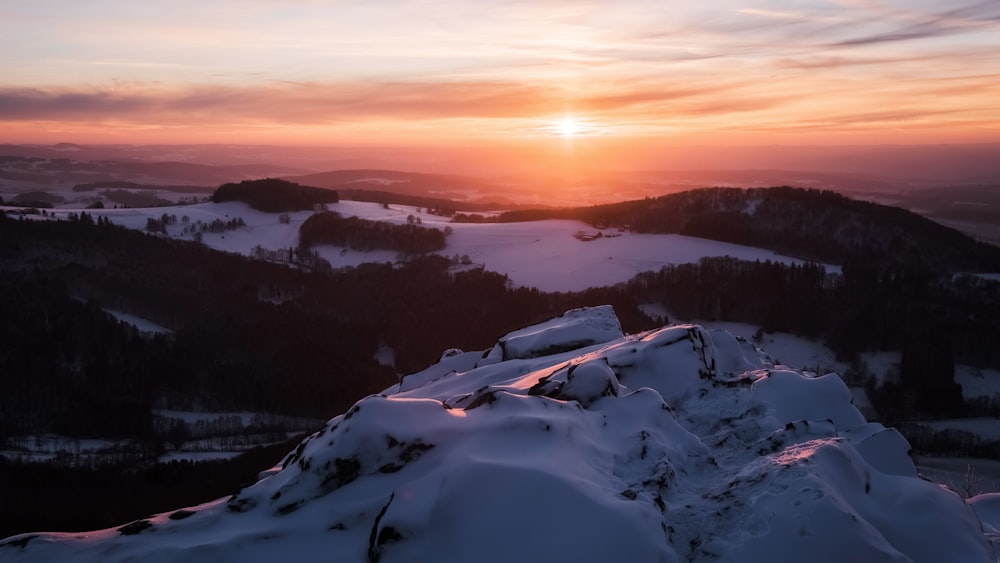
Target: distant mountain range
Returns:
[[40, 173], [956, 185]]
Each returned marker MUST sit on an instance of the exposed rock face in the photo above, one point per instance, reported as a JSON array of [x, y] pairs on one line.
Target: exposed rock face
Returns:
[[573, 442]]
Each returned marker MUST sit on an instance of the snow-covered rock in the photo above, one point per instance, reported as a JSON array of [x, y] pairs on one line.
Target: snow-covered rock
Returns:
[[987, 507], [575, 329], [680, 444]]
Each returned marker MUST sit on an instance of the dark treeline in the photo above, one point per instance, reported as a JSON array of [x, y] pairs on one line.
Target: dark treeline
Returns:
[[474, 218], [123, 185], [933, 320], [361, 234], [777, 296], [815, 225], [274, 195], [36, 198], [70, 367], [39, 497], [141, 198], [948, 441]]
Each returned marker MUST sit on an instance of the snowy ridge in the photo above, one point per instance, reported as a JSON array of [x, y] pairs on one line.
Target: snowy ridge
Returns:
[[680, 444]]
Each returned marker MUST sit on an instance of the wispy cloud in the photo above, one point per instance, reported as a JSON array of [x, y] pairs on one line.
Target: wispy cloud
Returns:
[[319, 102], [283, 102], [814, 29], [977, 18]]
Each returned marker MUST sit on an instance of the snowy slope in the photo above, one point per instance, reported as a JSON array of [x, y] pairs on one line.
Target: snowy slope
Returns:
[[558, 261], [681, 444]]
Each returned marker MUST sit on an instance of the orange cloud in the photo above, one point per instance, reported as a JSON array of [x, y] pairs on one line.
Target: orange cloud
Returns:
[[299, 103]]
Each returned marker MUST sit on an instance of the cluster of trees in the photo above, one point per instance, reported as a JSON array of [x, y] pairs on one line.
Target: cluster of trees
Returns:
[[37, 199], [233, 425], [140, 198], [948, 442], [149, 188], [302, 257], [274, 195], [276, 255], [224, 433], [779, 297], [982, 406], [86, 219], [362, 234], [474, 218], [154, 225], [198, 228], [116, 454], [215, 225]]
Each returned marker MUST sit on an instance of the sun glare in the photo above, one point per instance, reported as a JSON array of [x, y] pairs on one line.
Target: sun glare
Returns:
[[568, 127], [573, 127]]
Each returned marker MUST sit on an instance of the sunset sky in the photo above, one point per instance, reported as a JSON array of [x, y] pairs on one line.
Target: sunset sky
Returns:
[[506, 71]]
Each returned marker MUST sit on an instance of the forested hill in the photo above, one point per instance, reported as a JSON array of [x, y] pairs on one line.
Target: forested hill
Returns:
[[243, 334], [274, 196], [811, 224]]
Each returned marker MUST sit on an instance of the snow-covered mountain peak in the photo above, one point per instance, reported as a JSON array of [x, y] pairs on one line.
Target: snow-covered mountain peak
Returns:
[[571, 441]]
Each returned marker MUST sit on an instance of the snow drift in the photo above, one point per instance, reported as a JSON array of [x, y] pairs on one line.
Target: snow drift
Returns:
[[569, 441]]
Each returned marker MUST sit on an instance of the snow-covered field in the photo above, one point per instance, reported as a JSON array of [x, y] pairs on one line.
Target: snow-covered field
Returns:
[[542, 254], [977, 382], [545, 254], [681, 444]]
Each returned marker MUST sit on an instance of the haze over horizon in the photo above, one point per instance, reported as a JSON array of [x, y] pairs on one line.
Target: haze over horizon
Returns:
[[552, 79]]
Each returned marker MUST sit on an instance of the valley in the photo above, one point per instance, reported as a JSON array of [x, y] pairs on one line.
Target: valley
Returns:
[[196, 301]]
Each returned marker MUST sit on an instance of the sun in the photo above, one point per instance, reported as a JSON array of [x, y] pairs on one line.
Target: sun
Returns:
[[568, 127]]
